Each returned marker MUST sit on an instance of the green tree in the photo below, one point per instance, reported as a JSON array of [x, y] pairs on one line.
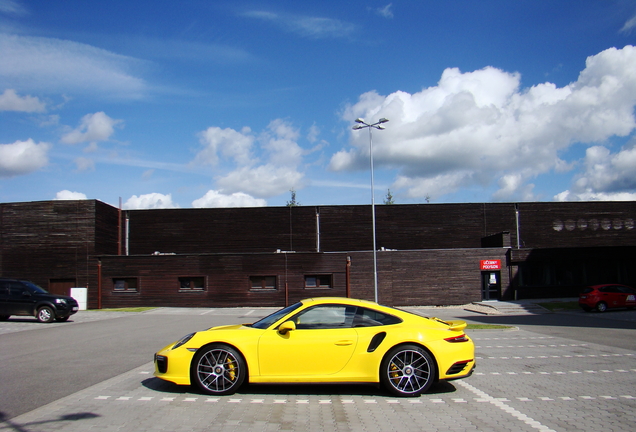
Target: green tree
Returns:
[[293, 202], [389, 198]]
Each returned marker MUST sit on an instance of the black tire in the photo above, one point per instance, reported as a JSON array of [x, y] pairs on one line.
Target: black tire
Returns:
[[601, 306], [62, 319], [408, 370], [218, 369], [45, 314], [4, 317]]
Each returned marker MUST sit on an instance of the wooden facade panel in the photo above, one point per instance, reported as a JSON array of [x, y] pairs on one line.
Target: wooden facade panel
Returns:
[[434, 249], [222, 230], [50, 240], [590, 224]]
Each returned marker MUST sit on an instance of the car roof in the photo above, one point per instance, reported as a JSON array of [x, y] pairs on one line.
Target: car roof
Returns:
[[343, 300]]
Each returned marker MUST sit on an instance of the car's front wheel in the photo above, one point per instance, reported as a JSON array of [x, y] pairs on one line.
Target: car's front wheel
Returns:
[[45, 314], [408, 370], [218, 369]]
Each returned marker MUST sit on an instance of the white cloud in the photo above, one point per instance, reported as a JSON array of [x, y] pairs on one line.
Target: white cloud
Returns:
[[216, 199], [22, 157], [480, 128], [630, 24], [12, 7], [606, 176], [10, 101], [226, 143], [385, 11], [263, 181], [150, 201], [84, 164], [61, 66], [262, 166], [307, 26], [93, 127], [68, 195]]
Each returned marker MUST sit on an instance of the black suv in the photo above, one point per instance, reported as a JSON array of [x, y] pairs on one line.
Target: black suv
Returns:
[[18, 297]]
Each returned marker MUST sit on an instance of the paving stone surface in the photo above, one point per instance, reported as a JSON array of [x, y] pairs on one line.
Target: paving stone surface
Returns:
[[524, 382]]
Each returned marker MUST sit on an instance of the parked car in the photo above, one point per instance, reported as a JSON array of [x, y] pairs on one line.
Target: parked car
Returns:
[[603, 297], [323, 340], [19, 297]]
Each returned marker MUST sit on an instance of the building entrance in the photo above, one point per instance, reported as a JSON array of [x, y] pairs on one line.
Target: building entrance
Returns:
[[490, 285]]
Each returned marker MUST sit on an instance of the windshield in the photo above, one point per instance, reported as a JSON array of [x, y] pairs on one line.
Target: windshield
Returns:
[[36, 288], [271, 319]]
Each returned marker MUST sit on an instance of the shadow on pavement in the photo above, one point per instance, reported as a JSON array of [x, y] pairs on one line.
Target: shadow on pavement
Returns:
[[328, 389], [11, 425]]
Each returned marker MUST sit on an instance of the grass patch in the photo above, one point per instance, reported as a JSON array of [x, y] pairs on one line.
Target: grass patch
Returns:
[[487, 327], [129, 309], [557, 306]]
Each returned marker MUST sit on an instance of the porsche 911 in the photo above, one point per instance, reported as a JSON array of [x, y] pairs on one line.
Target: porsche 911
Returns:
[[323, 340]]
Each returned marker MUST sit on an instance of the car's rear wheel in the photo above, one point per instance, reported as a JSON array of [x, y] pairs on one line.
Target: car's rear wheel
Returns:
[[408, 370], [218, 369], [45, 314], [601, 306]]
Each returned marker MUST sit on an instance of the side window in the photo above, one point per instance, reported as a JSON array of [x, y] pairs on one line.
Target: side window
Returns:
[[125, 284], [263, 283], [16, 289], [318, 281], [325, 317], [370, 318], [196, 283]]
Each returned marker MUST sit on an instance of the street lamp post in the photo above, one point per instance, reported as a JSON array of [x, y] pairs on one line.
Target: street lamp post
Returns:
[[377, 125]]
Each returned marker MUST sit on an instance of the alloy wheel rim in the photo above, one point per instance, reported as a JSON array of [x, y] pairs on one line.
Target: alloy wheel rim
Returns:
[[218, 370], [409, 371]]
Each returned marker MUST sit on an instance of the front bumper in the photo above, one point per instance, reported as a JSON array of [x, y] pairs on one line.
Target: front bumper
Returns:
[[173, 364]]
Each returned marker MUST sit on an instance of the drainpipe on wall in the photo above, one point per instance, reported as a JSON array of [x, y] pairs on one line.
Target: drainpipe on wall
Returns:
[[317, 229], [127, 228], [119, 228], [348, 277], [517, 223], [99, 284]]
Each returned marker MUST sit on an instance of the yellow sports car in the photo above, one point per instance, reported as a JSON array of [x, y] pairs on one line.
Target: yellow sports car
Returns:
[[323, 340]]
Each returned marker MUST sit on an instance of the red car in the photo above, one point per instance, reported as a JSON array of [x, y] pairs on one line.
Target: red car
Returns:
[[603, 297]]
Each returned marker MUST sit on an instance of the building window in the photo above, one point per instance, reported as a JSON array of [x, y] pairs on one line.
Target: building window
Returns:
[[125, 284], [263, 283], [196, 283], [318, 281]]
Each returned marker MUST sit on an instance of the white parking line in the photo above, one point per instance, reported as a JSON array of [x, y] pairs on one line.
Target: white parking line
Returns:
[[505, 407]]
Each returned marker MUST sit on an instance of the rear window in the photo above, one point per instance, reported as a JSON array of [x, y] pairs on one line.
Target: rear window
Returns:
[[587, 290]]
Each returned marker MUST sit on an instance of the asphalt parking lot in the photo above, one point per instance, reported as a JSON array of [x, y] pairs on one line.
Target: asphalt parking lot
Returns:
[[562, 372]]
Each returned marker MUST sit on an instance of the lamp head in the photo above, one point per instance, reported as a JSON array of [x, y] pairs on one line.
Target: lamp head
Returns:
[[383, 120], [359, 120]]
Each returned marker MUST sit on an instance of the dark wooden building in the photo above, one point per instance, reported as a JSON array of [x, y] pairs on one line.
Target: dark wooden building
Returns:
[[429, 254]]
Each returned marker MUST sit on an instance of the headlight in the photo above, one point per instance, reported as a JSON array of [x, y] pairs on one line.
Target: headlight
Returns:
[[183, 340], [60, 301]]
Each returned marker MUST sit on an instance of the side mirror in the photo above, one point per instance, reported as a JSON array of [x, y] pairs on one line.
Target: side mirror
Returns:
[[286, 327]]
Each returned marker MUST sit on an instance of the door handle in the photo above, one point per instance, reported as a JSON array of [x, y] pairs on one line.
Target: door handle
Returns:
[[344, 343]]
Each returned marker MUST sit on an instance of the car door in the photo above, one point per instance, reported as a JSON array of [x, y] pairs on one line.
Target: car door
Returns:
[[321, 344], [628, 297], [4, 298], [20, 299]]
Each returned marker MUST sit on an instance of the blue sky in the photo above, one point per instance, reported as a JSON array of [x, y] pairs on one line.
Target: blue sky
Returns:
[[235, 103]]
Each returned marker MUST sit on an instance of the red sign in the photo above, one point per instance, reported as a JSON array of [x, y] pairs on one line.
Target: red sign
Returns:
[[490, 264]]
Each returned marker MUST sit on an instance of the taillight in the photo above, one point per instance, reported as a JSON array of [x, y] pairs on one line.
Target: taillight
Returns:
[[460, 338]]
